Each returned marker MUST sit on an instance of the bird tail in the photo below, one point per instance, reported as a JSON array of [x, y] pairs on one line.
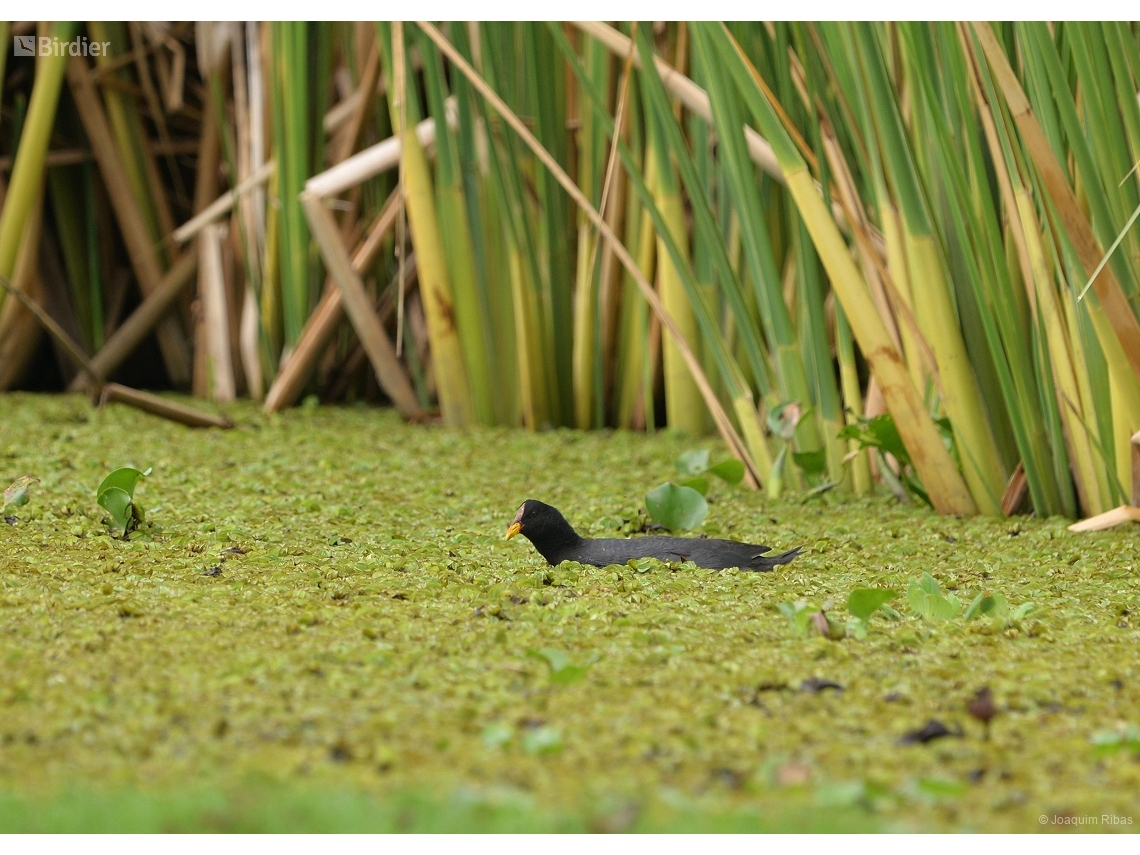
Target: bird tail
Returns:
[[770, 561]]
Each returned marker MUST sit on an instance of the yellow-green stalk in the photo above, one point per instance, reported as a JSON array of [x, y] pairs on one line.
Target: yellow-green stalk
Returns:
[[944, 485], [28, 169]]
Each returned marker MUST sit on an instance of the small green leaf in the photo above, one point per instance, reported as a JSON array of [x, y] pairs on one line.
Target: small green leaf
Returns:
[[730, 471], [1021, 612], [927, 601], [864, 602], [844, 794], [124, 479], [788, 610], [975, 607], [886, 435], [799, 614], [890, 613], [676, 508], [117, 502], [701, 485], [811, 462], [930, 585], [643, 565], [694, 462]]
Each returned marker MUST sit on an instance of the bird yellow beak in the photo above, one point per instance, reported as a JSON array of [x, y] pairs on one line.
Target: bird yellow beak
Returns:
[[514, 529]]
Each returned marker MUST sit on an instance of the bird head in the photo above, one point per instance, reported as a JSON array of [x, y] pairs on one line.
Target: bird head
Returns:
[[540, 523]]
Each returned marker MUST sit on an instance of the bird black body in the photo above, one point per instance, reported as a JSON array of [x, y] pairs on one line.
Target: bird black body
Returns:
[[556, 540]]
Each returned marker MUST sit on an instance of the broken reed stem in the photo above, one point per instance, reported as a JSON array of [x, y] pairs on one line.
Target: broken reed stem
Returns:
[[323, 321], [114, 391]]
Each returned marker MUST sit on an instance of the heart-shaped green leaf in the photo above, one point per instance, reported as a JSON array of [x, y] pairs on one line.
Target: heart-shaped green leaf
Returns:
[[887, 436], [864, 602], [811, 462], [701, 485], [677, 508], [118, 504], [123, 479], [730, 471], [694, 462]]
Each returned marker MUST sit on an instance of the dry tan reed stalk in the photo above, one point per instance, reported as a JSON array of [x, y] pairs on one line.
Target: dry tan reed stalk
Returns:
[[215, 313], [113, 391], [385, 309], [345, 141], [381, 352], [18, 336], [157, 406], [371, 161], [144, 260], [322, 323], [223, 204]]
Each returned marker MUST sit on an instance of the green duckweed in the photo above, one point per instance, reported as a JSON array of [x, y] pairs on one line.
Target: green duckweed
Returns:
[[323, 601]]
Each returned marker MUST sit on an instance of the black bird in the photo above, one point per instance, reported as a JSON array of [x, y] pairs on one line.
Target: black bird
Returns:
[[556, 541]]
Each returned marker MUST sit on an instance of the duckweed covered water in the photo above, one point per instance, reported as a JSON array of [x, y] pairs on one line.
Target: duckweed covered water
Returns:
[[322, 603]]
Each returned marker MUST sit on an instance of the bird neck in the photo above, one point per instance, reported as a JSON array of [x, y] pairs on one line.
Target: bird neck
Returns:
[[556, 542]]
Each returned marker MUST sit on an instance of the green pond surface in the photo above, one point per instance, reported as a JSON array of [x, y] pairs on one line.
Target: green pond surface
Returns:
[[319, 626]]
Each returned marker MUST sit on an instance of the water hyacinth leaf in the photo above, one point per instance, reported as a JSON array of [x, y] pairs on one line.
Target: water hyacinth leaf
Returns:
[[675, 507], [730, 471], [118, 504], [701, 485], [864, 602], [694, 462], [811, 462], [124, 479], [879, 432]]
